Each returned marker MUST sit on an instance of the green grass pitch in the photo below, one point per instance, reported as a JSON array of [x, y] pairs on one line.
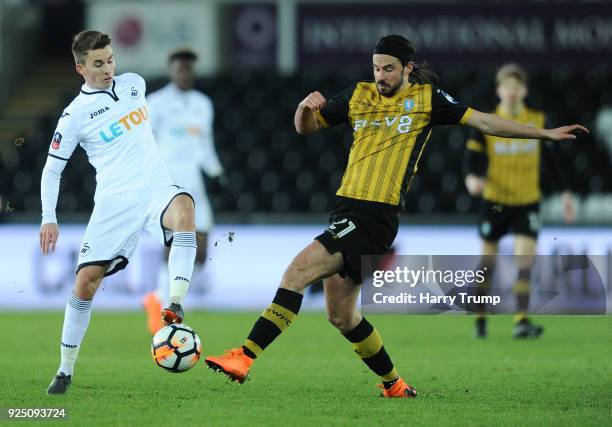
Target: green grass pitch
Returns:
[[310, 376]]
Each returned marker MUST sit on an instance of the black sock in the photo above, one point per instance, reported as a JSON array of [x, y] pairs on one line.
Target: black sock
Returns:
[[274, 320], [487, 265], [521, 291], [368, 345], [389, 384]]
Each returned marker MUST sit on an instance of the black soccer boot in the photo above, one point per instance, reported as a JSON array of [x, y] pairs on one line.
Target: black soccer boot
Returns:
[[60, 384], [480, 330], [526, 329], [172, 314]]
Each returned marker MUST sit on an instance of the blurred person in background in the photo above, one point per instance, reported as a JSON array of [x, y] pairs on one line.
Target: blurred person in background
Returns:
[[182, 123], [603, 127], [506, 174], [134, 191], [392, 118]]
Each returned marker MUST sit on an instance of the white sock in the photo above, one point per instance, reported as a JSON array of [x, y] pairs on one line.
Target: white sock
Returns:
[[162, 284], [76, 320], [180, 264]]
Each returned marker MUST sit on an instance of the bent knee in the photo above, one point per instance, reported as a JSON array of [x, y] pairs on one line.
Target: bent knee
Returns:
[[344, 324], [184, 214]]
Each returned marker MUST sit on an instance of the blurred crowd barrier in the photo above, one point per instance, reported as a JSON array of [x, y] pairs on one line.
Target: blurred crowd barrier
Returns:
[[240, 273]]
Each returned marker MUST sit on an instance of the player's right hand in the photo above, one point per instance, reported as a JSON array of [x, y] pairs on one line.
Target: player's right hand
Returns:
[[49, 233], [314, 101], [565, 132], [475, 184]]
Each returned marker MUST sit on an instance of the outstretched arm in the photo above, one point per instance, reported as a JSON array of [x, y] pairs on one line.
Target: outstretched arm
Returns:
[[491, 124]]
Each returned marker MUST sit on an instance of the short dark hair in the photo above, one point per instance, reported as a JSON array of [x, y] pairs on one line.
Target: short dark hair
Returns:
[[511, 70], [182, 54], [88, 40]]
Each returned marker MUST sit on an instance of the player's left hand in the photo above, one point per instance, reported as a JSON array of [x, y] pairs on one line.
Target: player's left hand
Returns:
[[569, 209], [564, 132]]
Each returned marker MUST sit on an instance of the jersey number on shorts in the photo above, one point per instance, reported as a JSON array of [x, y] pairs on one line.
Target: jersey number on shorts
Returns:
[[341, 228]]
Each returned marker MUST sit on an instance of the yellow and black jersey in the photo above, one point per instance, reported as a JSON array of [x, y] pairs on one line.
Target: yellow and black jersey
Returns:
[[511, 166], [389, 135]]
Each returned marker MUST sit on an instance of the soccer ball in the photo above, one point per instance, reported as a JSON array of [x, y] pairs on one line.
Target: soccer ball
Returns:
[[176, 348]]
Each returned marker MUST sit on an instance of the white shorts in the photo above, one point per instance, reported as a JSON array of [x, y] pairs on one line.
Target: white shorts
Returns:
[[203, 211], [116, 222]]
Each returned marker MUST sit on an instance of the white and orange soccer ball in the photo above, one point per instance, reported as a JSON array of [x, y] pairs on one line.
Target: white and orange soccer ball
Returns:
[[176, 348]]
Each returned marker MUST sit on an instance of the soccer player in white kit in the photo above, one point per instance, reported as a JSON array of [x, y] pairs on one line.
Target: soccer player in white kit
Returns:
[[134, 191], [182, 122]]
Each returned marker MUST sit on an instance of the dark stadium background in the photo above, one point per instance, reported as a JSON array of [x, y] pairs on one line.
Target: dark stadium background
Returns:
[[271, 169]]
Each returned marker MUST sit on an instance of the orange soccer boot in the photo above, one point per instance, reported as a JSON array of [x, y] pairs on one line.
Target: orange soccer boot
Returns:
[[234, 363], [399, 389], [152, 306]]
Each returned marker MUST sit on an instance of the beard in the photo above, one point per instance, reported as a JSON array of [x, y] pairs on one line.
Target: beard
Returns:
[[386, 90]]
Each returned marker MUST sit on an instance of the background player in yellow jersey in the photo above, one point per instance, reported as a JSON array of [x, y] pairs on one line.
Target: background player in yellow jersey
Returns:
[[391, 120], [506, 173]]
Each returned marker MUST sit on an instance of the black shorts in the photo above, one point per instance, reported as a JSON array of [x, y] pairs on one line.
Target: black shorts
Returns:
[[496, 220], [358, 227]]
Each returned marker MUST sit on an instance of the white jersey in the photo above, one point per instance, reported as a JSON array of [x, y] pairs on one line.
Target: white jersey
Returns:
[[182, 123], [113, 126]]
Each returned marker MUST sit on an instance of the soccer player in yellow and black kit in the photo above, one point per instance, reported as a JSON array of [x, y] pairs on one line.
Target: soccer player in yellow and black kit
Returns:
[[392, 119], [506, 173]]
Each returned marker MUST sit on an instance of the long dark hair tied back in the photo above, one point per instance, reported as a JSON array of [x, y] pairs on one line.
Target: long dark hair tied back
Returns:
[[422, 73]]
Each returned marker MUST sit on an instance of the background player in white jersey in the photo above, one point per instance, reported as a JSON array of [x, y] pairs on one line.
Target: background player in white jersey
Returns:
[[182, 122], [134, 191]]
